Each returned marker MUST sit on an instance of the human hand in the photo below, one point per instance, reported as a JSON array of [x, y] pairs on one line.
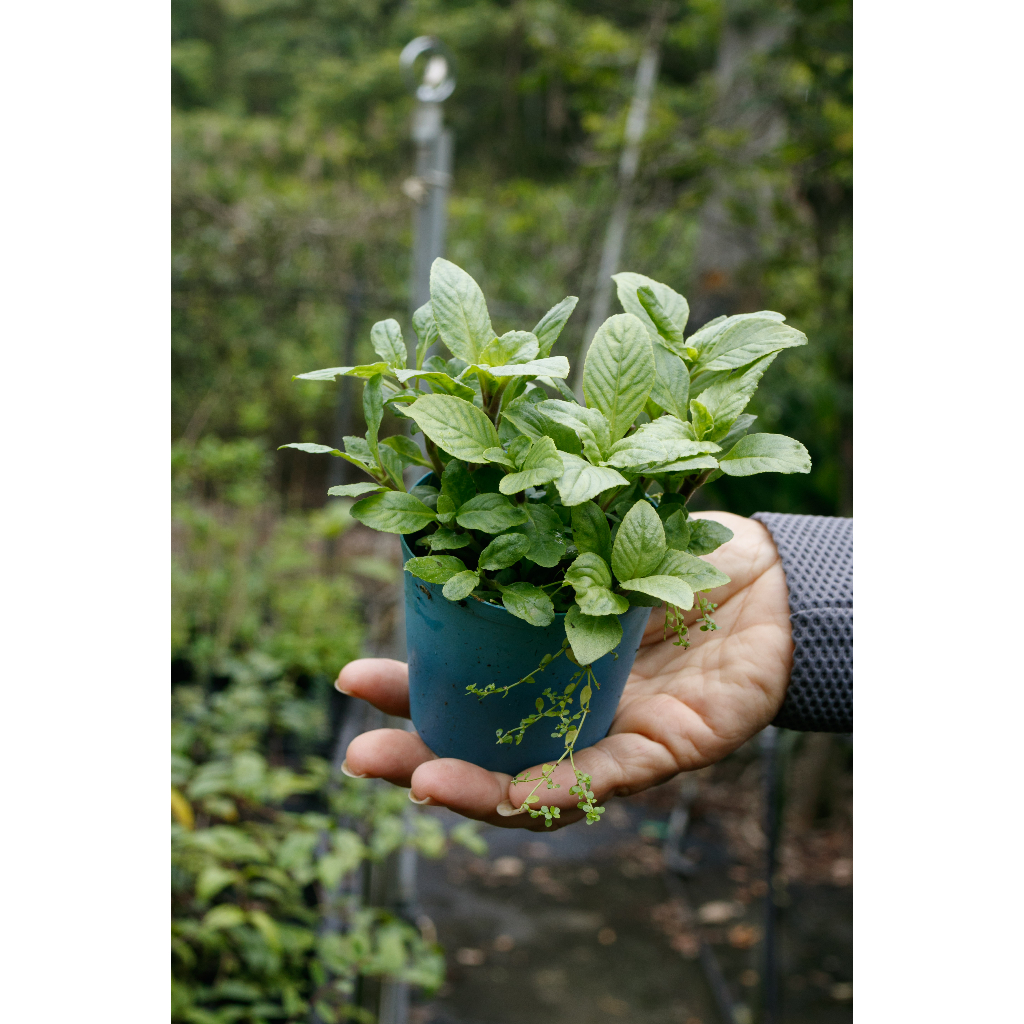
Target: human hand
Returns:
[[682, 709]]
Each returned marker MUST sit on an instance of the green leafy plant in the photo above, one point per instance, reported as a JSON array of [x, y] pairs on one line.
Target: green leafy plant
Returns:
[[546, 505], [268, 845]]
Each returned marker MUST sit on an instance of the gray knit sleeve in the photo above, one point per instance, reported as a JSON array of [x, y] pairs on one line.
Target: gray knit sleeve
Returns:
[[817, 556]]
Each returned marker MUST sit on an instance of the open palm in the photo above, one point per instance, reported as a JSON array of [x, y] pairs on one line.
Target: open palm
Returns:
[[682, 709]]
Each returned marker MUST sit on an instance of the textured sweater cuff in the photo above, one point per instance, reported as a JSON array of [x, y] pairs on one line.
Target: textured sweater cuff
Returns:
[[817, 556]]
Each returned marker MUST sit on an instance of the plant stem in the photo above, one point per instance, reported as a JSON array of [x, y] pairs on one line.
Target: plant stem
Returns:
[[694, 483]]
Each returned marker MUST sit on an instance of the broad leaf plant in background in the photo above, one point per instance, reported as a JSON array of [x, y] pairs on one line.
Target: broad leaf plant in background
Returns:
[[268, 845], [544, 505]]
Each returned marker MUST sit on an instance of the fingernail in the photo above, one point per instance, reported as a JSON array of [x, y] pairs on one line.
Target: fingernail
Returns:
[[506, 810], [345, 770], [426, 801], [338, 687]]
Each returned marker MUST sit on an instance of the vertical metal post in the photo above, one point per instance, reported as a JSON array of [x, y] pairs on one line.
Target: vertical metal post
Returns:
[[429, 72], [770, 767], [429, 189]]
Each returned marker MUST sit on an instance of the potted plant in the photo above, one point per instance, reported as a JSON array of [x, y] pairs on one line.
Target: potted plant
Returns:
[[543, 531]]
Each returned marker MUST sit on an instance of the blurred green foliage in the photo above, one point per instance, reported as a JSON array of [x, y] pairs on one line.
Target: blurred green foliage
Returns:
[[291, 230], [268, 843]]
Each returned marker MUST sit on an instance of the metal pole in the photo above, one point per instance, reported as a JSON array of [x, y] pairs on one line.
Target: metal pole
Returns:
[[428, 188], [770, 768], [615, 236]]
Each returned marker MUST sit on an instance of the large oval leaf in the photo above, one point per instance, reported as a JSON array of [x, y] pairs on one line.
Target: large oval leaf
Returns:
[[393, 512], [619, 371], [460, 310], [504, 551], [581, 481], [490, 513], [667, 588], [457, 426], [387, 341], [765, 453], [639, 544], [591, 636], [528, 603], [435, 568]]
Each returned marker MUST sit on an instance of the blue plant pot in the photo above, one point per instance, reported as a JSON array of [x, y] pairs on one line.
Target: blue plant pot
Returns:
[[452, 644]]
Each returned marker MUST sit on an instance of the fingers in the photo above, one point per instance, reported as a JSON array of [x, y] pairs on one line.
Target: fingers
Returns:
[[472, 792], [618, 766], [391, 754], [382, 682]]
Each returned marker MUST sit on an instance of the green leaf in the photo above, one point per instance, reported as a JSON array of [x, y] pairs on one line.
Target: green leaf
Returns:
[[525, 415], [212, 879], [393, 512], [588, 570], [373, 411], [725, 400], [668, 332], [695, 462], [392, 464], [639, 543], [490, 513], [677, 531], [590, 530], [590, 425], [435, 568], [661, 440], [353, 490], [528, 603], [672, 304], [461, 585], [511, 347], [541, 465], [504, 551], [408, 450], [706, 535], [591, 579], [499, 457], [333, 373], [226, 915], [457, 426], [552, 366], [619, 371], [550, 325], [312, 449], [591, 636], [671, 389], [601, 601], [387, 341], [701, 420], [446, 508], [426, 331], [765, 453], [668, 588], [457, 483], [739, 429], [543, 530], [447, 540], [439, 382], [460, 311], [581, 481], [695, 572], [742, 339]]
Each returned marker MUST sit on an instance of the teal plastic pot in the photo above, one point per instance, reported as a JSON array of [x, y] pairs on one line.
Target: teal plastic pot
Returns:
[[452, 644]]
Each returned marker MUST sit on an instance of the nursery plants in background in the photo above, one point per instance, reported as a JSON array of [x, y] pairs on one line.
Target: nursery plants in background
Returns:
[[542, 530], [270, 849]]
